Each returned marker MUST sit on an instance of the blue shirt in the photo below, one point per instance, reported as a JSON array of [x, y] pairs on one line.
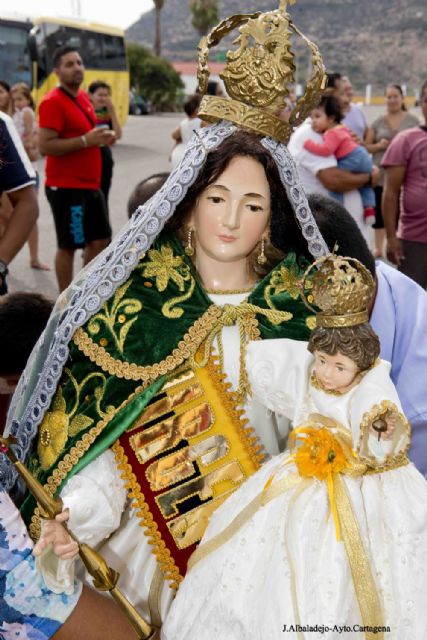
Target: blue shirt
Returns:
[[399, 318], [355, 120]]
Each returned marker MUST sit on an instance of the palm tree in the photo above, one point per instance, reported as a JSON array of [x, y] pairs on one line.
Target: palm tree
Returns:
[[205, 15], [158, 5]]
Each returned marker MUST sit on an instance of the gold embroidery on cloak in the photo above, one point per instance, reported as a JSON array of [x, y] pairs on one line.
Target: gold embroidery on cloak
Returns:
[[131, 371]]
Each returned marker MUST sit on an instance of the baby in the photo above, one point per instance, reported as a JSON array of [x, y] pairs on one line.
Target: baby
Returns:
[[338, 141]]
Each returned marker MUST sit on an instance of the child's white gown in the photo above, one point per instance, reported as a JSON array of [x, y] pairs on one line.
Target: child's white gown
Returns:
[[279, 564]]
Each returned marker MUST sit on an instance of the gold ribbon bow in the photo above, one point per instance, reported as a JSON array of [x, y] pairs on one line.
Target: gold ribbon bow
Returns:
[[231, 315]]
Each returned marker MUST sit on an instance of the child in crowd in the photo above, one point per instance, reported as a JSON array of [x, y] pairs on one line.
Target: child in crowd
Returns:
[[25, 122], [106, 118], [338, 141], [186, 128]]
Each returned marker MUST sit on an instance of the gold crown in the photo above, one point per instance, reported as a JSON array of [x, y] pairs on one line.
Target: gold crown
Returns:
[[257, 76], [342, 288]]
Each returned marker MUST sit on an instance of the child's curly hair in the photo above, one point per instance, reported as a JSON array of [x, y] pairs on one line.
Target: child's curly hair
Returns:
[[360, 343]]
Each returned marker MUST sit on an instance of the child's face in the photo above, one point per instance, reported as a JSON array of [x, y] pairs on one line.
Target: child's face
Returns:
[[100, 98], [19, 100], [336, 373], [320, 122]]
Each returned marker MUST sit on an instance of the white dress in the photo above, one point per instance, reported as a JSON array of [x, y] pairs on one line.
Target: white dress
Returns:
[[101, 515], [281, 565]]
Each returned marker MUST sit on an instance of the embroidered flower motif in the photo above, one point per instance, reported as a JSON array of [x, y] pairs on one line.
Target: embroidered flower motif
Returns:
[[287, 279], [164, 266], [53, 432], [310, 321], [320, 455]]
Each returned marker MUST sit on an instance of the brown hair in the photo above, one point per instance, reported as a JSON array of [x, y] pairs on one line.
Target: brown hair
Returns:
[[360, 343], [246, 144], [21, 87], [400, 90]]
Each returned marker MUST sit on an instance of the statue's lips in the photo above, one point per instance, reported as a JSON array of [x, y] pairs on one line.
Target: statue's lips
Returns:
[[227, 238]]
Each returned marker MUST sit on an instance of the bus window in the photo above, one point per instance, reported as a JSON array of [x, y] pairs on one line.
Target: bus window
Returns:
[[37, 33], [15, 63], [92, 52], [57, 35], [114, 53]]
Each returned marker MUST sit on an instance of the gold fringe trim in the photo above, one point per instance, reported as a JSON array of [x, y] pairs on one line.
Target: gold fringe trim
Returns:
[[131, 371], [161, 552], [230, 400]]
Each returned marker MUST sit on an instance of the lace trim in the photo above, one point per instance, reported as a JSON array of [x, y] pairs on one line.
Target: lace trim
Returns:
[[392, 460], [186, 348]]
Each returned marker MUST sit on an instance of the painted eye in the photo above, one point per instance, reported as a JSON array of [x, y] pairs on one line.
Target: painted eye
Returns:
[[254, 208], [215, 199]]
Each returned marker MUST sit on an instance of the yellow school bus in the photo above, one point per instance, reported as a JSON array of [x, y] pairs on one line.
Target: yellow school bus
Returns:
[[27, 46]]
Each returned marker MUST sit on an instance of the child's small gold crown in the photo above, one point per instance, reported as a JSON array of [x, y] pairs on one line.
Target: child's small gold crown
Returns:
[[259, 74], [342, 288]]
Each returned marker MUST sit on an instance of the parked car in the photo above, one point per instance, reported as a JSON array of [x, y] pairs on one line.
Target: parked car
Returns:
[[138, 105]]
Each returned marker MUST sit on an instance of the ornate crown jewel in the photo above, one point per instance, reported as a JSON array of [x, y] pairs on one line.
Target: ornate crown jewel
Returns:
[[342, 289], [258, 74]]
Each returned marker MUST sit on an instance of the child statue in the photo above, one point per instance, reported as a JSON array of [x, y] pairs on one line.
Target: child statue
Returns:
[[329, 537]]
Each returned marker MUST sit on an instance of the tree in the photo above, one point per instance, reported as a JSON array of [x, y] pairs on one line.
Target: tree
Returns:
[[154, 77], [205, 15], [158, 6]]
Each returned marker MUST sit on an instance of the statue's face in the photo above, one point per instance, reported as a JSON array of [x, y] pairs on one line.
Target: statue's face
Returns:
[[232, 215], [336, 373]]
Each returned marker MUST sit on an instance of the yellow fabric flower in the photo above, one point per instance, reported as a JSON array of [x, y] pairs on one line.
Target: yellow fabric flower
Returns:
[[320, 455], [53, 433]]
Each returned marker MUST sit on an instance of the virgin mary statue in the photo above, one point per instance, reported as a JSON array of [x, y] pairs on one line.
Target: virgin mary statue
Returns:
[[134, 406]]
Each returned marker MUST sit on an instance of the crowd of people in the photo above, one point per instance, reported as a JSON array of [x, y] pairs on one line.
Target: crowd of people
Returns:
[[132, 405], [74, 132]]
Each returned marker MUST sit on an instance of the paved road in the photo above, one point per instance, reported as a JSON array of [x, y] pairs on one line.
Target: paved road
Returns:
[[143, 150]]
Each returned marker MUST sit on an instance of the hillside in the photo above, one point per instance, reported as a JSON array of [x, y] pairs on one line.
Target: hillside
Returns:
[[372, 41]]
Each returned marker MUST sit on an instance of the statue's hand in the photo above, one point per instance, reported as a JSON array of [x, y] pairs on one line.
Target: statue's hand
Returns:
[[55, 534]]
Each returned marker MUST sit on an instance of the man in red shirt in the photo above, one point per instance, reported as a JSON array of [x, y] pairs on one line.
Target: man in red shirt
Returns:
[[69, 139]]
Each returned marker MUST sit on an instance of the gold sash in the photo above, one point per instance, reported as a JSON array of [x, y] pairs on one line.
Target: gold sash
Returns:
[[187, 452]]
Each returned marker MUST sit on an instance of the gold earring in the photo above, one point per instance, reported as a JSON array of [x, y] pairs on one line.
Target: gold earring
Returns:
[[262, 259], [189, 249]]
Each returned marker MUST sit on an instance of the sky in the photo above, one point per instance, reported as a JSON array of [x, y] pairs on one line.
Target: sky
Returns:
[[120, 13]]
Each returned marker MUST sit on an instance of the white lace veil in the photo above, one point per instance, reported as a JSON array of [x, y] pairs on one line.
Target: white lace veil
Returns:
[[97, 282]]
